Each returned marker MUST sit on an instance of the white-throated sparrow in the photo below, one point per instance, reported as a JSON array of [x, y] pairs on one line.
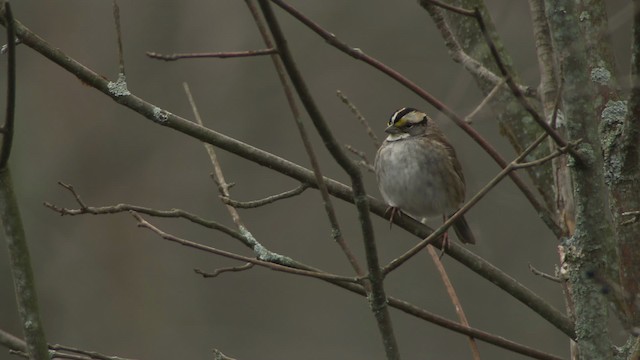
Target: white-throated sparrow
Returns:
[[418, 171]]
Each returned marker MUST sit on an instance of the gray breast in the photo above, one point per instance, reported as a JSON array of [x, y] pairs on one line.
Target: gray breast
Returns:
[[414, 179]]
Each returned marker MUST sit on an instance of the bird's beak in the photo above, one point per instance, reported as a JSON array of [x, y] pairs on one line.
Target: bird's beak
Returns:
[[392, 129]]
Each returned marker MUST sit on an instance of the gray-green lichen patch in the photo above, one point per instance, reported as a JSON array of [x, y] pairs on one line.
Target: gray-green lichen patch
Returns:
[[584, 16], [159, 115], [611, 127], [119, 87], [600, 76]]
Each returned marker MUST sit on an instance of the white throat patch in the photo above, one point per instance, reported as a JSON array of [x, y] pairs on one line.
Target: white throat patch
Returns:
[[396, 137]]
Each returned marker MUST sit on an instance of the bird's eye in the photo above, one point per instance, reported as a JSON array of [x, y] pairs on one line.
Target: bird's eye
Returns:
[[409, 125]]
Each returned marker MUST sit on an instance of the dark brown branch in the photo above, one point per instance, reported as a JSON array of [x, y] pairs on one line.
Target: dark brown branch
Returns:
[[358, 54], [218, 55], [377, 297], [315, 165]]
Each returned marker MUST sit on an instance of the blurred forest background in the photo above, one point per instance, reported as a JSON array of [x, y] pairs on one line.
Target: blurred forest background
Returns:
[[106, 285]]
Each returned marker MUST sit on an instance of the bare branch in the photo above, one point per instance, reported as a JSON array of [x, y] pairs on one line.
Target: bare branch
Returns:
[[268, 200], [206, 55], [364, 161], [315, 165], [518, 92], [89, 354], [116, 19], [455, 9], [120, 208], [484, 102], [270, 265], [363, 121], [377, 297], [454, 298], [545, 275]]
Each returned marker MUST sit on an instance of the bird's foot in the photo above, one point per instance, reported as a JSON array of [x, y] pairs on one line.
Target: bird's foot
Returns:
[[393, 210]]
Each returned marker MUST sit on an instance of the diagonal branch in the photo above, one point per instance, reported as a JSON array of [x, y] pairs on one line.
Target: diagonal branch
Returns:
[[458, 54], [377, 297], [268, 200], [559, 140], [267, 264], [208, 55], [315, 165]]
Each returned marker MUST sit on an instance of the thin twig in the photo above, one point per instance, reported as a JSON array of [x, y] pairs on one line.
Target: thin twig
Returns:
[[223, 187], [361, 119], [120, 208], [90, 354], [457, 10], [454, 298], [545, 275], [635, 215], [270, 265], [364, 161], [217, 272], [218, 355], [544, 159], [116, 18], [268, 200], [207, 55], [484, 102]]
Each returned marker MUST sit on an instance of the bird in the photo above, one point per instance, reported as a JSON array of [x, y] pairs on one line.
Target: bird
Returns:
[[418, 171]]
